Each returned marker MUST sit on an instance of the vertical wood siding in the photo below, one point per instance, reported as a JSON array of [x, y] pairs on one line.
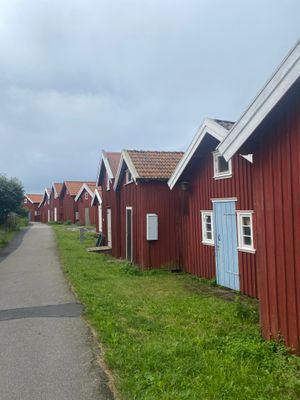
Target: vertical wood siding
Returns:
[[152, 197], [69, 207], [110, 199], [82, 205], [277, 202], [198, 258]]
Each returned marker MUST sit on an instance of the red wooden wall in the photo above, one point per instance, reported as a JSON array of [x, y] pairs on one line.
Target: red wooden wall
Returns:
[[110, 199], [152, 197], [56, 203], [69, 207], [198, 258], [33, 208], [82, 205], [44, 212], [277, 205]]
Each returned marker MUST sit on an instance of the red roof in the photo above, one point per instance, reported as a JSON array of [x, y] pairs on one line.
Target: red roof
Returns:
[[58, 186], [34, 198], [154, 164], [73, 187], [113, 159]]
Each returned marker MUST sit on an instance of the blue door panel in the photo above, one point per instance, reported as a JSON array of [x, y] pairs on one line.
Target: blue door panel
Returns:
[[227, 270]]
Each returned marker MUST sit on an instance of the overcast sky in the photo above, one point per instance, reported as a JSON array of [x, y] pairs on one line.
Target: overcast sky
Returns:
[[79, 76]]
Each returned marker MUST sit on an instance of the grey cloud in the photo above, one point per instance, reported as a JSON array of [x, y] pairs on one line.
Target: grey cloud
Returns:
[[78, 76]]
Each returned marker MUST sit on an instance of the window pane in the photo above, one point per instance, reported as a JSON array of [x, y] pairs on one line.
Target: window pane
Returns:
[[207, 219], [222, 164], [246, 221], [247, 231], [247, 240], [208, 235]]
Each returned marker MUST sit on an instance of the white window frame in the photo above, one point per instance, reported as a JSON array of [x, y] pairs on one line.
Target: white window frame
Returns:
[[127, 180], [241, 245], [25, 201], [217, 174], [86, 196], [107, 184], [205, 240]]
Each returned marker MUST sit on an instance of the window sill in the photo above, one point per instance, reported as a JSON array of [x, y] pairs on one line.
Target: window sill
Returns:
[[208, 244], [222, 176], [244, 250]]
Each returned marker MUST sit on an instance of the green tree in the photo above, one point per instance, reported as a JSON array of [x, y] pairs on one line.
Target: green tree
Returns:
[[11, 197]]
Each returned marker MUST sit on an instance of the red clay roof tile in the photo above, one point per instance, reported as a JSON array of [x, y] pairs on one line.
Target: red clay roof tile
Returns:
[[158, 165]]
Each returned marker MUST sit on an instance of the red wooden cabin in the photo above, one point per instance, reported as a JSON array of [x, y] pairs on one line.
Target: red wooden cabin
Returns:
[[217, 202], [32, 202], [56, 209], [97, 202], [87, 212], [110, 203], [44, 206], [270, 129], [149, 223], [68, 193]]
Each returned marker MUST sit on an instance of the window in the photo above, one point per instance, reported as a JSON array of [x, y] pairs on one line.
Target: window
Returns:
[[25, 201], [245, 231], [107, 183], [86, 196], [207, 227], [128, 177], [222, 168]]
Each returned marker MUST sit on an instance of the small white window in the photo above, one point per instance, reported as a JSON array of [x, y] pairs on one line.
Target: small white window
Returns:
[[25, 201], [207, 227], [107, 183], [222, 168], [245, 231], [86, 196], [128, 177]]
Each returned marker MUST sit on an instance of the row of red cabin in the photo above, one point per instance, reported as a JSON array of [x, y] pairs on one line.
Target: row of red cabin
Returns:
[[227, 209]]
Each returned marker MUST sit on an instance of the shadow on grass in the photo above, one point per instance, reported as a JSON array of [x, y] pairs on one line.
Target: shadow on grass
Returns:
[[13, 245]]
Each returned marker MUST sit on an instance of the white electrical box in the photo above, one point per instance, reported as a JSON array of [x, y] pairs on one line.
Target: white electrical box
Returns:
[[152, 227]]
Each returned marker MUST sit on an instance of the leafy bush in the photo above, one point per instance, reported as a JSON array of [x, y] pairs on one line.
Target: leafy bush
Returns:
[[11, 198]]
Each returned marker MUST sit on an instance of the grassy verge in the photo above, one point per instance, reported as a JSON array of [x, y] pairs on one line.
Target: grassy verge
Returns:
[[166, 338], [8, 232]]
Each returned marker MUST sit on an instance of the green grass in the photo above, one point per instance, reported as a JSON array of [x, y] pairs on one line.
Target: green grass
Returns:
[[166, 337], [8, 233]]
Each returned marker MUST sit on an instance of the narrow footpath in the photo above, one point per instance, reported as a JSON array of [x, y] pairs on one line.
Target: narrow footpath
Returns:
[[46, 352]]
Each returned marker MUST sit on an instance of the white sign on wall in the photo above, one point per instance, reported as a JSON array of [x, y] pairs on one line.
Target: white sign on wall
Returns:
[[152, 226]]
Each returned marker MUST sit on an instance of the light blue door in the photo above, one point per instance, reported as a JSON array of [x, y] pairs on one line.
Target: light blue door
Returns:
[[227, 268]]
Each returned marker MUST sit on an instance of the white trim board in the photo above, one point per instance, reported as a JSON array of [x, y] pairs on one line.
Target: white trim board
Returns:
[[281, 81], [43, 199], [209, 126], [84, 187], [104, 161], [96, 195], [222, 200], [125, 159]]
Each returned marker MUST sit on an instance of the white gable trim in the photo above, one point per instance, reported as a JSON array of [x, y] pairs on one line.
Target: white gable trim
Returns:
[[284, 77], [125, 158], [55, 191], [28, 198], [97, 196], [84, 187], [104, 162], [43, 199], [209, 126]]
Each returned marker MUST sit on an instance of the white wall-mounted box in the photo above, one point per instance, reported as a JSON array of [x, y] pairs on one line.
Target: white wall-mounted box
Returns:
[[152, 226]]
